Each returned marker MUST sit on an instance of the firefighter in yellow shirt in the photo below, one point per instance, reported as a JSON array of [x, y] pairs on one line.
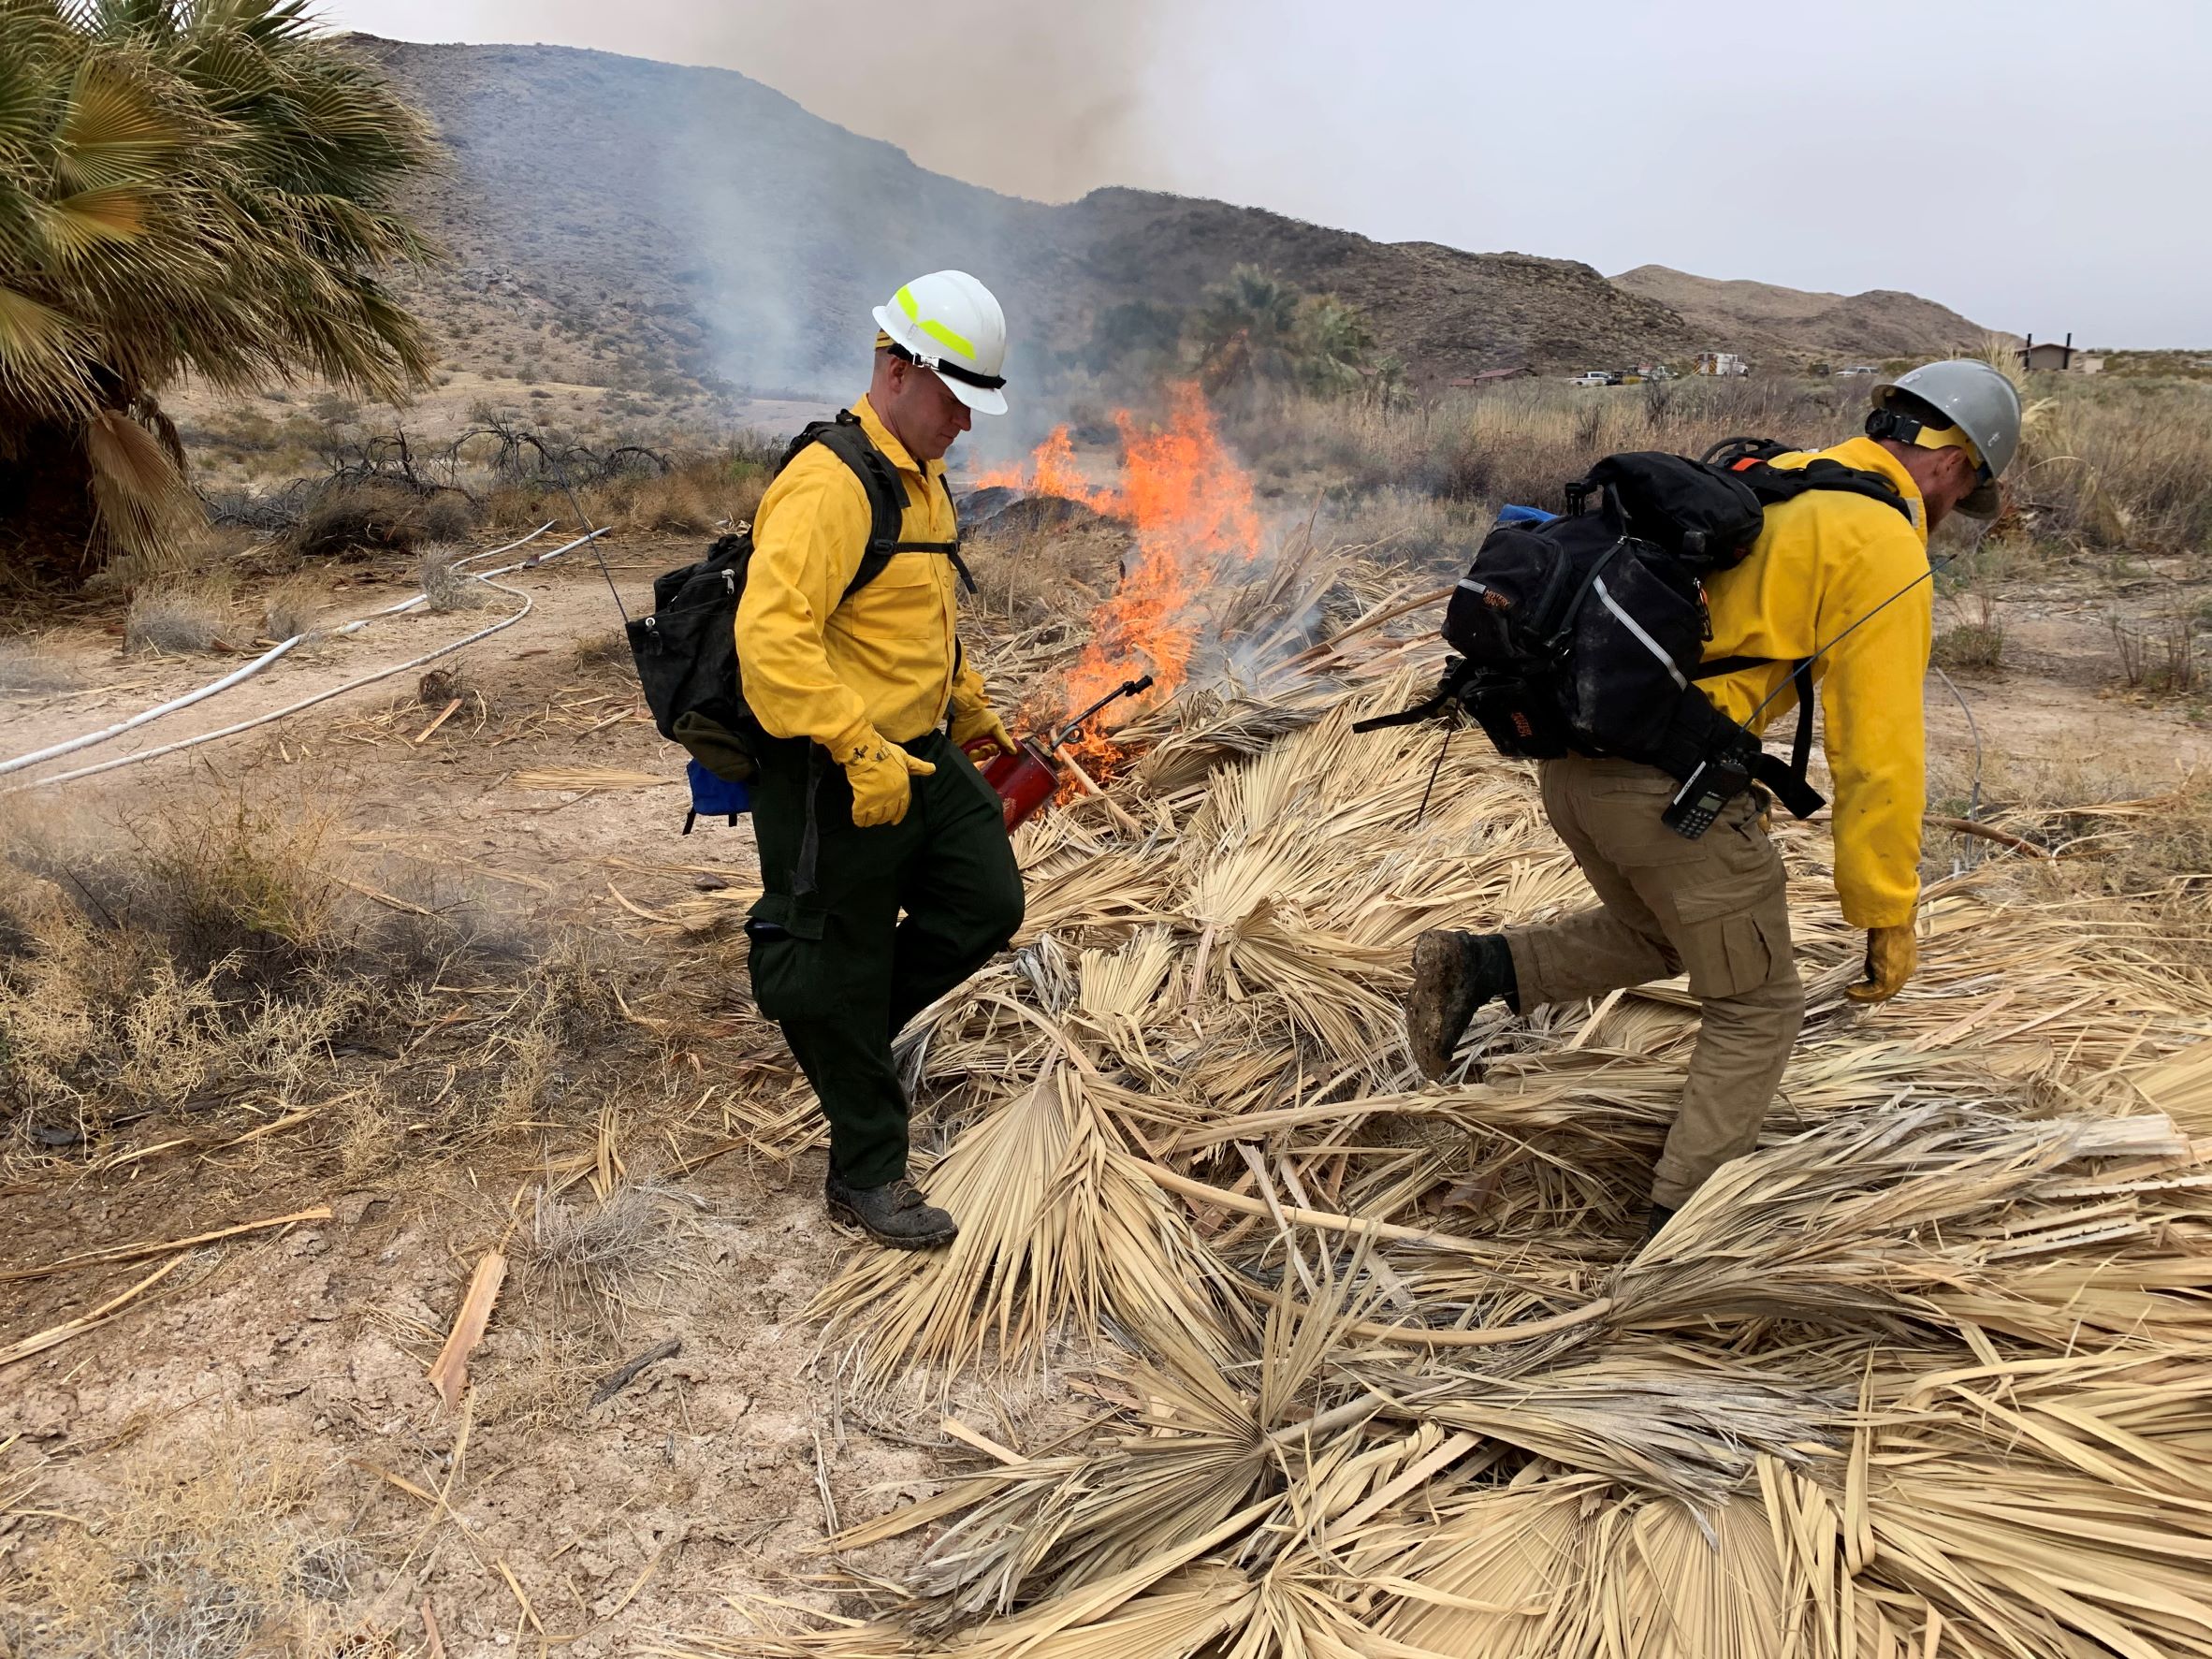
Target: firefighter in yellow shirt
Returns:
[[1837, 577], [887, 875]]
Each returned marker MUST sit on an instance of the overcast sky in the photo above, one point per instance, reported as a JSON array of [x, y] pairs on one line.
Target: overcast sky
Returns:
[[2041, 167]]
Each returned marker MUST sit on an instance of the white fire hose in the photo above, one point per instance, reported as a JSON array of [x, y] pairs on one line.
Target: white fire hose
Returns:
[[322, 696], [238, 676]]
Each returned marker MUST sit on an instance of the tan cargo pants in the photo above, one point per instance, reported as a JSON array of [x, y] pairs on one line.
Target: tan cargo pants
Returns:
[[1715, 907]]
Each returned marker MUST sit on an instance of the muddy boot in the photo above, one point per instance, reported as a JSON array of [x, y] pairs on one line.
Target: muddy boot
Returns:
[[1655, 1222], [894, 1214], [1453, 975]]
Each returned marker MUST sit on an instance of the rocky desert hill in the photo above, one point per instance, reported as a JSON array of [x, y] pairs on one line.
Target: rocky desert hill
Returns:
[[605, 213], [1762, 319], [621, 223]]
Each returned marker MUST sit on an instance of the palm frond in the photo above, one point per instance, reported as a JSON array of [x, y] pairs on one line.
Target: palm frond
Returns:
[[142, 497]]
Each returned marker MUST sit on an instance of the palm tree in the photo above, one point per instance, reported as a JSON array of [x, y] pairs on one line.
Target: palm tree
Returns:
[[1333, 346], [1242, 328], [185, 185]]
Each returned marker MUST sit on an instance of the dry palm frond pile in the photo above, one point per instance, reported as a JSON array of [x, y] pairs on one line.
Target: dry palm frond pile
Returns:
[[1380, 1371]]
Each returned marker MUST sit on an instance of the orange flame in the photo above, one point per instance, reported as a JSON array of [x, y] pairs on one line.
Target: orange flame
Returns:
[[1191, 507], [1053, 470]]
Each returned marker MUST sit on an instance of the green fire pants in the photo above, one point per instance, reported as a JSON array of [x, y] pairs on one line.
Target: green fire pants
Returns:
[[833, 962]]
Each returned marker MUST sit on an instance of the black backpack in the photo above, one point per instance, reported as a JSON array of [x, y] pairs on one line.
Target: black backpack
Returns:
[[687, 650], [1585, 634]]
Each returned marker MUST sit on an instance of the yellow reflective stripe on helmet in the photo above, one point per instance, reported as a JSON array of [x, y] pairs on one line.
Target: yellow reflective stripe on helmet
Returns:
[[945, 337], [1950, 438], [904, 300]]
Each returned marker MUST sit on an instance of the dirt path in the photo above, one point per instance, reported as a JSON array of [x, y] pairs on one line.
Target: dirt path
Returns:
[[445, 803]]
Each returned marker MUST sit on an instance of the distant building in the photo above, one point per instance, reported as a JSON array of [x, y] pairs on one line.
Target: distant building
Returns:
[[2047, 355]]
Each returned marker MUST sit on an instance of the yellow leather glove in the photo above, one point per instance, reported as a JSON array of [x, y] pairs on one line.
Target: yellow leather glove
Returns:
[[881, 776], [979, 723], [1892, 954]]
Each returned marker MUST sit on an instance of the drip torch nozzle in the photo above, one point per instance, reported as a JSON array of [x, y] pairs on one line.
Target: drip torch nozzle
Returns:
[[1129, 688]]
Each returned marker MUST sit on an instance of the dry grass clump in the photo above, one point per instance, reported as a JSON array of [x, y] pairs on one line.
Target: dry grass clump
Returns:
[[211, 957], [2104, 462], [1031, 573], [706, 493], [1975, 641], [176, 617], [218, 1559], [229, 957], [608, 650], [625, 1245], [2115, 462], [29, 670], [696, 495], [291, 609], [225, 952], [1523, 442], [448, 588], [1407, 527]]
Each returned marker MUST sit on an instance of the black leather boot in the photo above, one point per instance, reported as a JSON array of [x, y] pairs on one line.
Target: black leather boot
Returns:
[[1453, 975], [894, 1214]]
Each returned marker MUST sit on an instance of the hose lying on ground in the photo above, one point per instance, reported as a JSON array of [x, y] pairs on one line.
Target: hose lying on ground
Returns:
[[239, 676], [337, 691]]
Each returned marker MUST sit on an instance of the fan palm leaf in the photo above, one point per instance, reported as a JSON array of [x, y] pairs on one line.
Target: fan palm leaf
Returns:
[[206, 186]]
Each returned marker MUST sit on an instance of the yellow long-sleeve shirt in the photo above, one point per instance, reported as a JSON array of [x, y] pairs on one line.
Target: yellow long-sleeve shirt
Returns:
[[1824, 562], [818, 665]]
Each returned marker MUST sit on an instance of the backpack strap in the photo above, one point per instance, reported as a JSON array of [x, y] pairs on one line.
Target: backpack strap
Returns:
[[1785, 779], [848, 439], [1751, 459]]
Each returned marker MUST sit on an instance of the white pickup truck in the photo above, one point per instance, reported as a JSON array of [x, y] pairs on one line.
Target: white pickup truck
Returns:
[[1594, 377]]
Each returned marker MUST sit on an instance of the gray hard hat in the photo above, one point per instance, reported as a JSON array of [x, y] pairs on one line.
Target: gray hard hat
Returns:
[[1978, 399]]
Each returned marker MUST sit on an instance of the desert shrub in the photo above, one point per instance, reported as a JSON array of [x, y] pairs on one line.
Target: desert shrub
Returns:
[[1977, 646], [211, 1558], [346, 517], [2160, 656], [177, 617], [290, 609]]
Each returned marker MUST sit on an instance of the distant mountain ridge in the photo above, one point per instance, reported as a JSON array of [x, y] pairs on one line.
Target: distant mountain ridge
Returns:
[[619, 216], [1763, 319]]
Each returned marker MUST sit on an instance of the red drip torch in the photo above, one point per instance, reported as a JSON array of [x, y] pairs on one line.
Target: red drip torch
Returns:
[[1030, 777]]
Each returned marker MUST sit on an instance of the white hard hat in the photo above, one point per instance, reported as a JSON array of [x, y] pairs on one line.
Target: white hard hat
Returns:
[[1965, 396], [948, 322]]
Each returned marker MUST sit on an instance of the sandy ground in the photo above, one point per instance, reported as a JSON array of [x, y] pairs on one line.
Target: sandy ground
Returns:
[[705, 1482]]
